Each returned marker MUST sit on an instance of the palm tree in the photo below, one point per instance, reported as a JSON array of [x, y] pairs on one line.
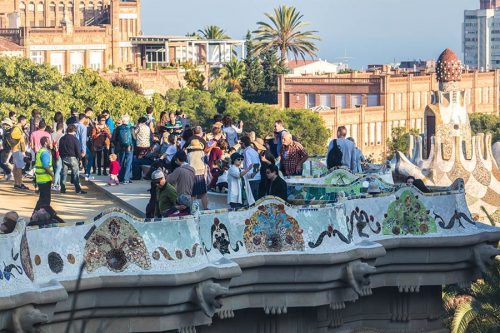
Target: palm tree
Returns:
[[285, 33], [478, 311], [213, 32], [233, 73]]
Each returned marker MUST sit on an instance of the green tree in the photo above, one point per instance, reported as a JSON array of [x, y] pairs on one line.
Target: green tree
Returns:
[[233, 73], [213, 32], [271, 67], [193, 77], [399, 141], [285, 33], [485, 123], [253, 83]]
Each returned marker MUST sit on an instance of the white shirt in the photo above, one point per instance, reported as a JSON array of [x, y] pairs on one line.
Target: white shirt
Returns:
[[251, 157], [231, 133], [347, 148], [234, 193]]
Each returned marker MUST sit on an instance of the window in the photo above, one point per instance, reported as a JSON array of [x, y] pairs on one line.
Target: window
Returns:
[[356, 100], [325, 100], [372, 100], [400, 101], [365, 133], [76, 61], [340, 101], [95, 60], [57, 61], [416, 100], [372, 134], [37, 57], [391, 102], [311, 101], [379, 133]]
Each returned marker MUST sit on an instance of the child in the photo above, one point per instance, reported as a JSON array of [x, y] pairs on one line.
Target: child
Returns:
[[114, 169]]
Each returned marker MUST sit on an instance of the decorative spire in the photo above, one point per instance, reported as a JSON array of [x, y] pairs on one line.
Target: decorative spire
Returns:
[[448, 67]]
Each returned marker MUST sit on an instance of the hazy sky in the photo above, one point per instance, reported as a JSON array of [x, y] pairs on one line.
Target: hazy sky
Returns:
[[370, 31]]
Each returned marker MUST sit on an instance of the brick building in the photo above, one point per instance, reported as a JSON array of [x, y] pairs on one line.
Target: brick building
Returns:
[[371, 104], [71, 34]]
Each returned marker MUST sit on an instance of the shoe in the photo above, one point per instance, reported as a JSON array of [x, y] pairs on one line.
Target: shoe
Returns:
[[23, 187], [81, 192], [87, 177], [104, 173], [63, 191], [127, 182], [99, 173]]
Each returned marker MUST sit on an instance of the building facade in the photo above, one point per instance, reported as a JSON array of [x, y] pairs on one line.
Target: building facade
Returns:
[[371, 104], [481, 36], [70, 35]]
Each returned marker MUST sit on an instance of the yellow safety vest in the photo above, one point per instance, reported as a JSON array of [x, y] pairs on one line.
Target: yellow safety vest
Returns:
[[42, 176]]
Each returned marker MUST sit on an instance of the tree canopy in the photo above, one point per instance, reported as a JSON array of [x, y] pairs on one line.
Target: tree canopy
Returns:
[[285, 33], [486, 123], [213, 32]]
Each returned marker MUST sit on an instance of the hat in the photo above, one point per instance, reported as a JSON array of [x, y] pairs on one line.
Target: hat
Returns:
[[195, 145], [185, 200], [259, 144], [217, 124], [157, 175], [8, 121], [236, 156]]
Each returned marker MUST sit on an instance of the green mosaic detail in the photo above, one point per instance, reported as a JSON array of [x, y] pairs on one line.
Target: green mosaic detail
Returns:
[[408, 216]]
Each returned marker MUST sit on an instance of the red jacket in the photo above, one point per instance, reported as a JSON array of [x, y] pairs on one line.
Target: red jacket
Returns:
[[114, 168]]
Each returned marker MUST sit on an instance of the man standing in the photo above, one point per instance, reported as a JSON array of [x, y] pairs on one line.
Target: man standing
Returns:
[[183, 177], [125, 148], [44, 173], [251, 157], [18, 145], [37, 135], [109, 121], [5, 149], [293, 155], [279, 130], [341, 152], [70, 152]]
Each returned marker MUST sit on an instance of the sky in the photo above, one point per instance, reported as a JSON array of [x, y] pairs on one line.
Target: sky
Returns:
[[367, 31]]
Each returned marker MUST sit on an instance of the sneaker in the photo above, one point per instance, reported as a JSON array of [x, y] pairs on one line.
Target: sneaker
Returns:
[[23, 187], [87, 177], [81, 192], [127, 182]]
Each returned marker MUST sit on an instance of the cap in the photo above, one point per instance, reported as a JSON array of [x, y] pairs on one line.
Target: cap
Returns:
[[157, 175], [236, 156], [185, 200]]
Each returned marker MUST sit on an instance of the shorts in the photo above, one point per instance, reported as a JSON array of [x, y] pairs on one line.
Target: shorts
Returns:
[[200, 186], [18, 159]]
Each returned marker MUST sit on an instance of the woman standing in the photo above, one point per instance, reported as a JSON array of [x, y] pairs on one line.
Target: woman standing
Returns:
[[238, 188], [56, 136], [101, 137]]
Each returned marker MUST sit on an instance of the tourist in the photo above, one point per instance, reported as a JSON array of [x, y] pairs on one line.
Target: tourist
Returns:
[[196, 159], [44, 173], [239, 191], [266, 160], [6, 149], [341, 152], [359, 158], [168, 147], [101, 142], [230, 131], [198, 134], [114, 170], [13, 117], [70, 153], [125, 148], [74, 119], [36, 117], [292, 155], [18, 145], [181, 208], [81, 135], [58, 119], [9, 222], [183, 176], [109, 121], [166, 195], [181, 117], [276, 186], [56, 137], [150, 119], [90, 156], [37, 135], [161, 124], [173, 125], [215, 160], [251, 157], [216, 135], [142, 135], [221, 184], [418, 183], [279, 130]]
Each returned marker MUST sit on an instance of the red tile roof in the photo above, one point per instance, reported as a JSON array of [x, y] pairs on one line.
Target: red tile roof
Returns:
[[7, 45], [448, 67], [292, 64]]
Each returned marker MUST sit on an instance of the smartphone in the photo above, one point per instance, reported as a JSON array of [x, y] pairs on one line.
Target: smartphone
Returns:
[[256, 168]]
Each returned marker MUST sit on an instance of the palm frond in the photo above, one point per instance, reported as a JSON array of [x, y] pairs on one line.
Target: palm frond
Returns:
[[464, 314]]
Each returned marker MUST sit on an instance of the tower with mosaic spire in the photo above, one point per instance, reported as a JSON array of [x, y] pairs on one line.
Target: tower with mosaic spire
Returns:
[[448, 150]]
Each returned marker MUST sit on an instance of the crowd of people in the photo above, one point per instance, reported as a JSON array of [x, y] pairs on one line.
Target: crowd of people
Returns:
[[183, 162]]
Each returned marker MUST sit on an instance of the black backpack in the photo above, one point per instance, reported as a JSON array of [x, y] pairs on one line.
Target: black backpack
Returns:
[[334, 157]]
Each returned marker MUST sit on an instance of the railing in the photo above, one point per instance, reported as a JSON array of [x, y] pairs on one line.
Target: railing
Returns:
[[91, 29], [100, 18], [12, 34], [332, 80], [40, 30]]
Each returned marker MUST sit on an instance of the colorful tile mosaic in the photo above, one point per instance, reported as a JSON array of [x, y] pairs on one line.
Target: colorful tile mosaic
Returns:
[[26, 257], [116, 244]]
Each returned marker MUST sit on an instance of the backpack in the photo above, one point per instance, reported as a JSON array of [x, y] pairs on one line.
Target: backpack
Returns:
[[9, 142], [334, 158], [124, 136]]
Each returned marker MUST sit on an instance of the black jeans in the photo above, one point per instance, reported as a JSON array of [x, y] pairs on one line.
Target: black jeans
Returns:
[[102, 165], [4, 161], [44, 197]]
